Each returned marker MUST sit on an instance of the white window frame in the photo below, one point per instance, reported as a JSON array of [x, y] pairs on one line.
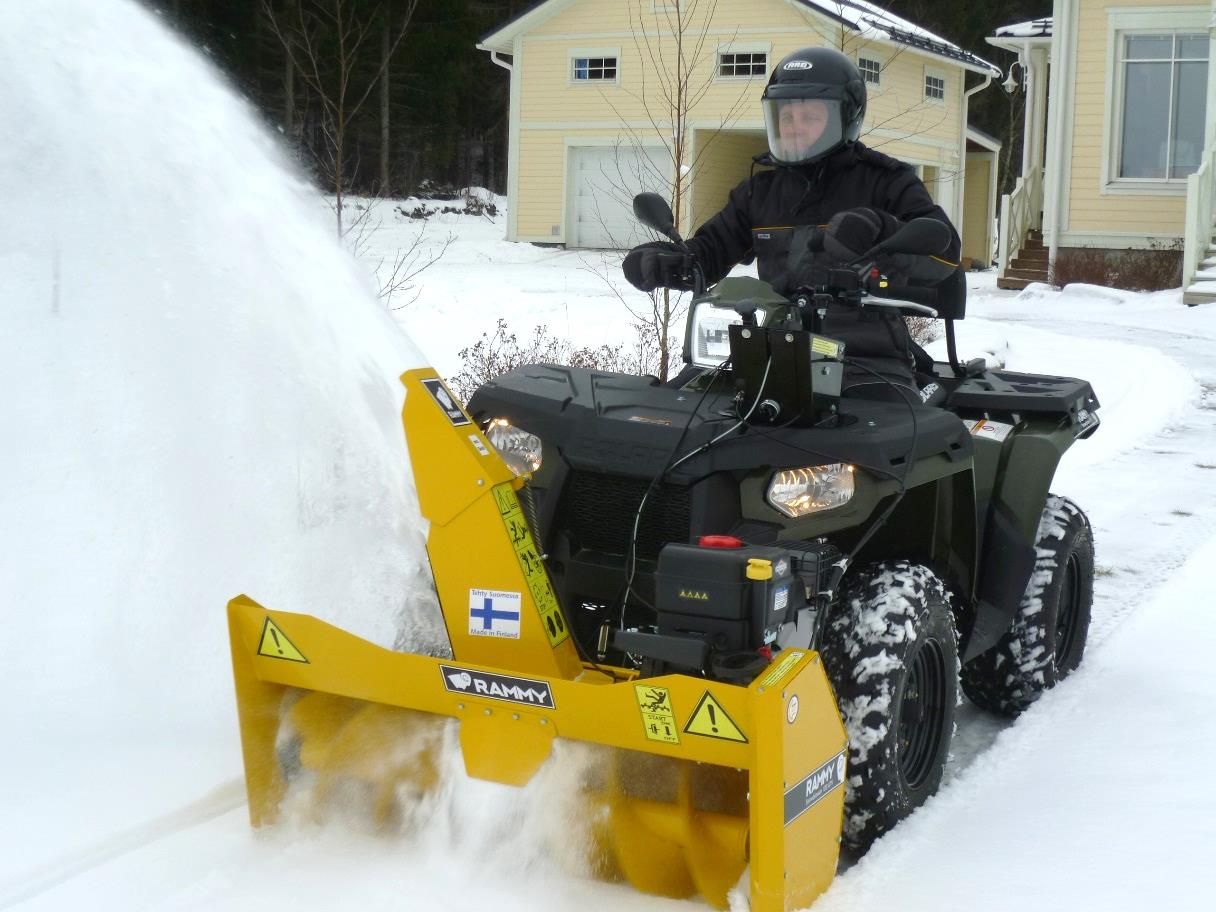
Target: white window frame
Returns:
[[574, 54], [742, 47], [875, 58], [1122, 21], [932, 73]]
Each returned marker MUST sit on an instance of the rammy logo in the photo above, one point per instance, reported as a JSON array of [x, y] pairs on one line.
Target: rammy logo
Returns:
[[814, 788], [443, 398], [798, 65], [497, 687]]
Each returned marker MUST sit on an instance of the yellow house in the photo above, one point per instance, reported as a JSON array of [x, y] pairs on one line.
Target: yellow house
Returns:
[[612, 97], [1119, 148]]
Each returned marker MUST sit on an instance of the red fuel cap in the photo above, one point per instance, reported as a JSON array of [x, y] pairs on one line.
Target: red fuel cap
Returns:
[[720, 541]]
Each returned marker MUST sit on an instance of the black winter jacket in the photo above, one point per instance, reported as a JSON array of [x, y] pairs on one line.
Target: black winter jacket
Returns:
[[769, 217]]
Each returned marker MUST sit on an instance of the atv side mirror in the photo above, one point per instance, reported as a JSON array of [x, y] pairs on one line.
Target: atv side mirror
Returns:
[[921, 236], [653, 212]]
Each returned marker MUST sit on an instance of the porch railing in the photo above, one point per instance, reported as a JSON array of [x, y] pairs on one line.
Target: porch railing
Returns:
[[1021, 211], [1199, 192]]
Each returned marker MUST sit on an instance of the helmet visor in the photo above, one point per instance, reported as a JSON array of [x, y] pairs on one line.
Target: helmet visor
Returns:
[[802, 129]]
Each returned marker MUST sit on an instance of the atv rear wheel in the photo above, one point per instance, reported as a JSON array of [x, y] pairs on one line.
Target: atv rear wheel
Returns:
[[1047, 639], [891, 653]]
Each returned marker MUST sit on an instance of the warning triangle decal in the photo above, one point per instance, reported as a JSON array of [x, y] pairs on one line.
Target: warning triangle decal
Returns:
[[710, 719], [275, 644]]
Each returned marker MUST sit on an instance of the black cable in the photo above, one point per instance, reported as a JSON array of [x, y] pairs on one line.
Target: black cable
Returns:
[[631, 561], [841, 566], [631, 552]]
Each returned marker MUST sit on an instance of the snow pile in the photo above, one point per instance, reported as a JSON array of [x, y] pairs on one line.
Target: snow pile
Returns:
[[200, 399]]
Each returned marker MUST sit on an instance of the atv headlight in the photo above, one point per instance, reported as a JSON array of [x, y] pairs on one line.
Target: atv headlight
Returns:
[[520, 450], [811, 489], [711, 332]]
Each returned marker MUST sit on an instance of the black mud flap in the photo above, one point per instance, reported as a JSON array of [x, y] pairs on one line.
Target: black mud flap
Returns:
[[1005, 569]]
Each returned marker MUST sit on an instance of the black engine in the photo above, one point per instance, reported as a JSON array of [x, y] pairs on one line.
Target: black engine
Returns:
[[721, 603]]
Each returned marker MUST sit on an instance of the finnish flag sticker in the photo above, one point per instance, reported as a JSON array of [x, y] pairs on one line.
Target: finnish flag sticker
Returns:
[[493, 613]]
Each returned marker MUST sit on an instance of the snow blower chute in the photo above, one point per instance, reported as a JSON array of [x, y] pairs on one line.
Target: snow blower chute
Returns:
[[708, 776]]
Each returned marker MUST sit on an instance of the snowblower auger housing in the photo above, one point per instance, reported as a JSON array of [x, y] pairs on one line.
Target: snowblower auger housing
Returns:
[[706, 777]]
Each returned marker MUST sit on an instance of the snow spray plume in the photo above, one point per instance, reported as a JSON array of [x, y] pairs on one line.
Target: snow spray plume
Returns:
[[202, 383], [205, 393]]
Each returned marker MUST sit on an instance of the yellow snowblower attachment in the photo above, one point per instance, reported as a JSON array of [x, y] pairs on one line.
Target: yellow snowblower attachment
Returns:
[[705, 779]]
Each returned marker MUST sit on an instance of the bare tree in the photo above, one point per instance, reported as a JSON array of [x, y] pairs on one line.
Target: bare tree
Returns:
[[395, 273], [674, 43], [325, 41]]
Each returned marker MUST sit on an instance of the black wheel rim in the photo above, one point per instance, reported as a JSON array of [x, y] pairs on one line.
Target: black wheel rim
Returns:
[[1069, 613], [922, 714]]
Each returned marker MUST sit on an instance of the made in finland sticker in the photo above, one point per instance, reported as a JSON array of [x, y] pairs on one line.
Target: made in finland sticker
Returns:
[[497, 687], [493, 613], [814, 788]]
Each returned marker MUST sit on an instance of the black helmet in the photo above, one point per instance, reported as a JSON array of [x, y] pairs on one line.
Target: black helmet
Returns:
[[818, 96]]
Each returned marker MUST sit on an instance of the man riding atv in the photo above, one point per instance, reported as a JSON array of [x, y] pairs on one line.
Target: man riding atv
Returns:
[[824, 181]]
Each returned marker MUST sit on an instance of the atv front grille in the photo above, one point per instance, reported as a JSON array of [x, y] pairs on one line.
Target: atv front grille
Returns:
[[598, 513]]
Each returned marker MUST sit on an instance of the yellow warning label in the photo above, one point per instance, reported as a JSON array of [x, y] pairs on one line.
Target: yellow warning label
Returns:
[[658, 717], [275, 644], [787, 661], [710, 719], [529, 561], [826, 347]]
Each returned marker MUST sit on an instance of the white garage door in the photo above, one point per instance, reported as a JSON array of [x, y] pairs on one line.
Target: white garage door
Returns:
[[605, 179]]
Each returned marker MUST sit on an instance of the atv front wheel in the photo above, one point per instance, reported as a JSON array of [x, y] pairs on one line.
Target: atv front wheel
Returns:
[[891, 653], [1047, 639]]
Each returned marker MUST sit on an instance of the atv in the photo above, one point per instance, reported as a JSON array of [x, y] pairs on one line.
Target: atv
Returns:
[[746, 593], [702, 526]]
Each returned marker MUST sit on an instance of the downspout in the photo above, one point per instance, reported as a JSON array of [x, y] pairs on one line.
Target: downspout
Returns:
[[1061, 79], [502, 63], [962, 152]]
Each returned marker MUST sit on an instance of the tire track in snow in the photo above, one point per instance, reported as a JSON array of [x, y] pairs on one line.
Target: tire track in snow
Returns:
[[47, 876], [1130, 577]]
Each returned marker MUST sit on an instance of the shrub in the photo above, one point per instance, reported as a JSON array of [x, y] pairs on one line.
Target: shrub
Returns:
[[924, 330], [494, 355], [1153, 269]]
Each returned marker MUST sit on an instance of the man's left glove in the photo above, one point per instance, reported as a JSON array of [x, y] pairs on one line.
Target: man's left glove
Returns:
[[851, 233], [658, 264]]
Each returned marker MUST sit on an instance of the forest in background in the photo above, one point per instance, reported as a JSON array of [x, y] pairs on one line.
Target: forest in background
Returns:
[[392, 98]]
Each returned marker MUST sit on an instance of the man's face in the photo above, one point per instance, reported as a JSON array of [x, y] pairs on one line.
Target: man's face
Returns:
[[801, 124]]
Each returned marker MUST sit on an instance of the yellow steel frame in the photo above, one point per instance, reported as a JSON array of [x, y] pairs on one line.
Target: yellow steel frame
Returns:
[[785, 729]]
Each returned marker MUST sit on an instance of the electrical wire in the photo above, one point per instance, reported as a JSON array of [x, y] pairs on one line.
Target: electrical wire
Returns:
[[631, 559], [841, 566]]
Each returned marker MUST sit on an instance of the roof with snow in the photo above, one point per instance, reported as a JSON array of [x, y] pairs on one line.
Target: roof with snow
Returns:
[[1035, 28], [874, 23], [868, 20]]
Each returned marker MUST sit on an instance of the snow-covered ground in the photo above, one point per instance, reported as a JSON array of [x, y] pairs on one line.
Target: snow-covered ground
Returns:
[[200, 399]]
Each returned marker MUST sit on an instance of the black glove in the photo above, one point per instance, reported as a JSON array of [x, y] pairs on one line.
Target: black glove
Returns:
[[657, 265], [851, 233]]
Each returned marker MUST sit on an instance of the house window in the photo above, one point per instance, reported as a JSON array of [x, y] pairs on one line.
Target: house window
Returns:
[[935, 87], [745, 65], [1164, 100], [870, 69], [593, 69]]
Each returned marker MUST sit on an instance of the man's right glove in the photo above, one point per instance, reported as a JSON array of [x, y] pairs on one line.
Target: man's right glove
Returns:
[[658, 264]]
